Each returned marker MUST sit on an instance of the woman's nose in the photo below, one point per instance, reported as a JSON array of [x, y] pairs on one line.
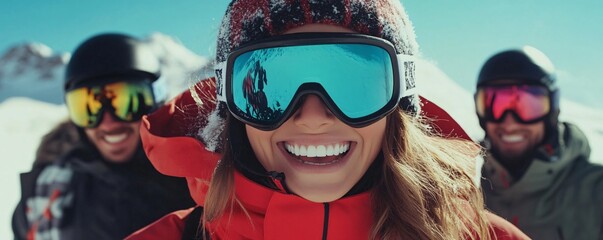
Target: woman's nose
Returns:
[[313, 114]]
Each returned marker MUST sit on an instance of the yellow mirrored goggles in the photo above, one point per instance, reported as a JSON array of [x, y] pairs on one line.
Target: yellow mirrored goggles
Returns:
[[126, 101]]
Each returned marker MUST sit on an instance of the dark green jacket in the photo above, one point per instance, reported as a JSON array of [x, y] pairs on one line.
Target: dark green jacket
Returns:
[[561, 199]]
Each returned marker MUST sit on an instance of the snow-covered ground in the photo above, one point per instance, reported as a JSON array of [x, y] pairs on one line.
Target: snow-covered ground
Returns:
[[24, 121]]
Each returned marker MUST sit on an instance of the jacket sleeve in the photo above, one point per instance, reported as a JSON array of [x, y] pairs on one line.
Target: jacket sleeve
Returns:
[[19, 222], [167, 141], [169, 227], [501, 229], [166, 135]]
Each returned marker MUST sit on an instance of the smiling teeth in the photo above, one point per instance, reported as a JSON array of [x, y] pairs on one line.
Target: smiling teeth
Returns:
[[115, 138], [318, 150], [512, 138]]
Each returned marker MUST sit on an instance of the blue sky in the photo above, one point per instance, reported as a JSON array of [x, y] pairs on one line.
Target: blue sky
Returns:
[[459, 36]]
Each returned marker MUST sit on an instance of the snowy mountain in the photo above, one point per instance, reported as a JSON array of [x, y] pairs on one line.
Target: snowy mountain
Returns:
[[35, 59], [33, 70], [180, 67]]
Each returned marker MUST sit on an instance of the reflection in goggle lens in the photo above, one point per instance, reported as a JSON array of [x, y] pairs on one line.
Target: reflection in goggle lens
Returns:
[[127, 101], [358, 79], [529, 103]]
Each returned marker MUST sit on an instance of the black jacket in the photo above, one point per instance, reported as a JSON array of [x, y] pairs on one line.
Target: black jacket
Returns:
[[101, 200]]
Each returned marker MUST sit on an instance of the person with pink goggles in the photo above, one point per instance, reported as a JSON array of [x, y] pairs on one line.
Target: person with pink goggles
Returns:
[[537, 173]]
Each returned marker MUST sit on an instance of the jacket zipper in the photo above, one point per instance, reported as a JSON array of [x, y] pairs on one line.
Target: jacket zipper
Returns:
[[326, 221], [278, 178]]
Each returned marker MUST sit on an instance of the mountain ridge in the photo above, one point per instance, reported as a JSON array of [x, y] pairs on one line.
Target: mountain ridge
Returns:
[[33, 70]]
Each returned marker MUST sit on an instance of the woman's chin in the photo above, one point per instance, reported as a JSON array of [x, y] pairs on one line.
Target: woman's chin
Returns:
[[321, 198], [320, 194]]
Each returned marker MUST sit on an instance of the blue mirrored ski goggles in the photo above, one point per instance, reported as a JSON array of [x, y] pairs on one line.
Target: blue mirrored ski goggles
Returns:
[[358, 77]]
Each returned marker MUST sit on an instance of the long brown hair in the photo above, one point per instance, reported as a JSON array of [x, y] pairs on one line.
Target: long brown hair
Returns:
[[426, 189]]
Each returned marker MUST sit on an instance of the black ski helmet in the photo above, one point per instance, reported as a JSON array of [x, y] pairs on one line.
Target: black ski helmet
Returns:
[[108, 55], [527, 65]]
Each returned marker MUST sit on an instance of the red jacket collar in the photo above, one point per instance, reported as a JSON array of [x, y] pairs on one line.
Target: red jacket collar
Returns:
[[277, 215]]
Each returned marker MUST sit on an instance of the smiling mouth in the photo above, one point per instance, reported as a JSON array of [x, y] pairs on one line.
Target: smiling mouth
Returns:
[[512, 138], [318, 155], [115, 138]]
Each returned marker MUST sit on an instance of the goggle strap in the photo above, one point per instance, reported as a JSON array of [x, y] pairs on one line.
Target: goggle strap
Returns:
[[407, 65], [220, 70]]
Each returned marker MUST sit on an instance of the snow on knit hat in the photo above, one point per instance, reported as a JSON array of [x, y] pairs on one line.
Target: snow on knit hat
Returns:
[[251, 20]]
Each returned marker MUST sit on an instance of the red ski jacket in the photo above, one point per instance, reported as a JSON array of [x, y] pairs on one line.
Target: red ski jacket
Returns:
[[270, 214]]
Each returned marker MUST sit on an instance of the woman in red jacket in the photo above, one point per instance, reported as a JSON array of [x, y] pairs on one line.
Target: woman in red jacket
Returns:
[[320, 134]]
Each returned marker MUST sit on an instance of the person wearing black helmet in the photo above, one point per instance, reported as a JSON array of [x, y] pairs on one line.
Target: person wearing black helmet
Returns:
[[536, 171], [91, 179]]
